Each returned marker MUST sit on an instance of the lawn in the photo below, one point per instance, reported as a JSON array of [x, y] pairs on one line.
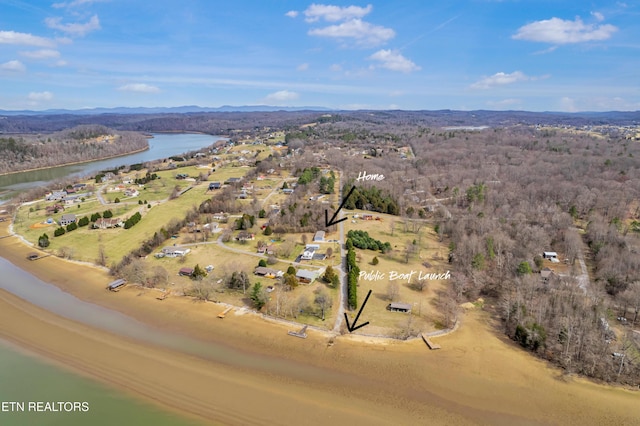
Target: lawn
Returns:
[[429, 251]]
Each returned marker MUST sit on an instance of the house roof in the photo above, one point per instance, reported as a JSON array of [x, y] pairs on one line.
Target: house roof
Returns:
[[170, 249], [303, 273], [319, 234], [69, 216], [402, 306], [261, 270], [550, 253]]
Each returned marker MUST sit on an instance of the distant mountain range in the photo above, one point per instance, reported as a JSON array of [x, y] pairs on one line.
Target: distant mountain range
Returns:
[[164, 110]]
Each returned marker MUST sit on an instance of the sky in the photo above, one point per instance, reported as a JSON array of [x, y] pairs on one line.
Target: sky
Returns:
[[534, 55]]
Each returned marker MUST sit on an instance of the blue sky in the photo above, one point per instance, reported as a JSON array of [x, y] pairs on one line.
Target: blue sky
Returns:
[[535, 55]]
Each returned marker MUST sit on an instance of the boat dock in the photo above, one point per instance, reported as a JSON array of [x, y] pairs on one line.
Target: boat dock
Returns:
[[225, 312], [302, 333], [429, 343]]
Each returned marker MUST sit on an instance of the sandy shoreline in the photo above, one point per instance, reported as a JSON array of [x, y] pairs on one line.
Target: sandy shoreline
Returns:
[[477, 378]]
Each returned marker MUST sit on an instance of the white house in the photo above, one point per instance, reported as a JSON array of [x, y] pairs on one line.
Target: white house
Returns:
[[174, 251], [550, 255]]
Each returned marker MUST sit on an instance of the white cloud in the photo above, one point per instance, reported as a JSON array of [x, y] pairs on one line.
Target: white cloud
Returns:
[[74, 3], [74, 29], [41, 54], [139, 88], [292, 13], [40, 96], [282, 96], [14, 66], [303, 67], [599, 16], [560, 31], [394, 61], [500, 79], [362, 32], [24, 39], [504, 103], [331, 13], [336, 67], [567, 104], [545, 51]]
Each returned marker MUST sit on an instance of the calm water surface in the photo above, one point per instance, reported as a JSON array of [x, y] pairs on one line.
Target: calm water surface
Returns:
[[25, 378], [162, 145]]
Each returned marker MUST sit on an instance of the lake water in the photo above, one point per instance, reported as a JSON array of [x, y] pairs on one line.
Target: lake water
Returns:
[[25, 378], [162, 145]]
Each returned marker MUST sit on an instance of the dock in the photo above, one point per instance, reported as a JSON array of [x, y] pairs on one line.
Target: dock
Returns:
[[302, 333], [429, 343], [225, 312], [164, 295]]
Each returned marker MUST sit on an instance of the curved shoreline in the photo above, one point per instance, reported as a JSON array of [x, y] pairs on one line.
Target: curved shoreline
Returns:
[[478, 376], [35, 169]]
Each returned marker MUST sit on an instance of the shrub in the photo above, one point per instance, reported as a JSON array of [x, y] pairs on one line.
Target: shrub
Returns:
[[43, 241]]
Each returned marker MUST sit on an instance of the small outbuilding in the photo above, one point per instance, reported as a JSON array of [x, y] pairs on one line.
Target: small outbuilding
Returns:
[[116, 285], [319, 236], [399, 307], [186, 272]]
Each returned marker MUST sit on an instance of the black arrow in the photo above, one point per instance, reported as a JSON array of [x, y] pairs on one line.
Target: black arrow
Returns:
[[353, 327], [333, 221]]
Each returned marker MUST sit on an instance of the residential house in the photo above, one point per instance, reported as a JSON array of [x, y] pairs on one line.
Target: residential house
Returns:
[[71, 199], [267, 272], [399, 307], [550, 255], [367, 217], [287, 191], [103, 223], [54, 208], [175, 251], [232, 180], [108, 177], [319, 236], [546, 275], [305, 276], [66, 219], [219, 216], [214, 185], [56, 195], [307, 254], [245, 236], [131, 192]]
